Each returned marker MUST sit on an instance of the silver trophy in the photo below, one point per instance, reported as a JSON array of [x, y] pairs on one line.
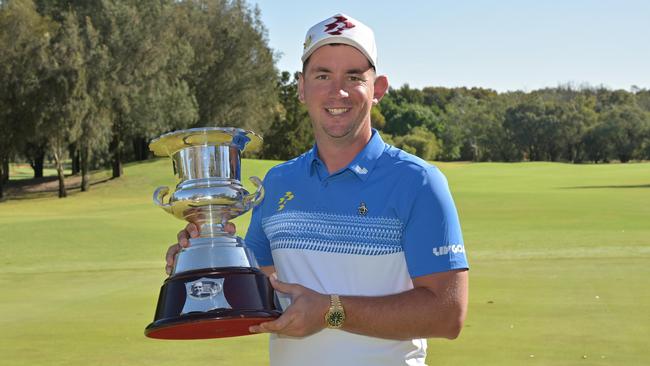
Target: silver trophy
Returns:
[[216, 288]]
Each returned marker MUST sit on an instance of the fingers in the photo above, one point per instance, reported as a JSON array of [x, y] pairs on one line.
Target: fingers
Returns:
[[171, 256], [303, 317], [274, 326], [183, 237], [191, 231], [285, 288], [230, 228]]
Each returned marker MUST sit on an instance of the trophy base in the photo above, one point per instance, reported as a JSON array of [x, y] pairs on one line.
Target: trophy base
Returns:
[[212, 303], [205, 326]]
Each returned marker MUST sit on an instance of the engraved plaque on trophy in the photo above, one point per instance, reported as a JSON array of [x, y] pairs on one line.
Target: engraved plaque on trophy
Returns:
[[216, 288]]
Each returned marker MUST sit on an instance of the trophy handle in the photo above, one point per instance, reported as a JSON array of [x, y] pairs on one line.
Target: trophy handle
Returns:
[[158, 196], [255, 198]]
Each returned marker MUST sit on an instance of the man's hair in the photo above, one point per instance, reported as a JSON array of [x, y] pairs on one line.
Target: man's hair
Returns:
[[304, 64]]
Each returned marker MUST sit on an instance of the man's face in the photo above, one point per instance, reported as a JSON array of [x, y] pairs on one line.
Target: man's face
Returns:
[[338, 88]]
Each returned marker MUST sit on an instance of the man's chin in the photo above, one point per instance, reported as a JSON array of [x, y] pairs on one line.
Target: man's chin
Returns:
[[339, 133]]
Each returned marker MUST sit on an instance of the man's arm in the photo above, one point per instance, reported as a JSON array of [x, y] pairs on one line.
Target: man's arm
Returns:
[[436, 307]]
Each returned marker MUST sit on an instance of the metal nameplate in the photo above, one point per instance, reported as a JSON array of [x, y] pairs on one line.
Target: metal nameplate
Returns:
[[205, 294]]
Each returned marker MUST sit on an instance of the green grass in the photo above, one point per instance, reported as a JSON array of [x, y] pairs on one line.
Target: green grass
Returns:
[[25, 171], [560, 258]]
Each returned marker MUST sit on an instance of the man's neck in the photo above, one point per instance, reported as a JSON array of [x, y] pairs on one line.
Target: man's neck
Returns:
[[338, 154]]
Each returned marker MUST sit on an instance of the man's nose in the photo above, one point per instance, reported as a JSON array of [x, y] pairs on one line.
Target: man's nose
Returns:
[[337, 90]]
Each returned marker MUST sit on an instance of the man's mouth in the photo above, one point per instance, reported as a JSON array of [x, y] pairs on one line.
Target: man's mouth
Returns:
[[336, 111]]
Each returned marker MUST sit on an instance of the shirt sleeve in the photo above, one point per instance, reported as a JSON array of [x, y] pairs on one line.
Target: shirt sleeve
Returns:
[[256, 239], [433, 241]]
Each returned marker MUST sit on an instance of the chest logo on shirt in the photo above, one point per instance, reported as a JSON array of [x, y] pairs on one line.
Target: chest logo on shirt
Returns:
[[359, 169], [288, 196], [363, 210]]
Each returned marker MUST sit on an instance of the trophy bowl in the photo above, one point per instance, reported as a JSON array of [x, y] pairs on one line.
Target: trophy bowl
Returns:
[[216, 288]]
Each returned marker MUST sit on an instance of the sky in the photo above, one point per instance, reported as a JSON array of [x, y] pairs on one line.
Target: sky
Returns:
[[503, 45]]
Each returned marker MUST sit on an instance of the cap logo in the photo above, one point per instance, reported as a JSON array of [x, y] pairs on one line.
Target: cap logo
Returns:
[[339, 24]]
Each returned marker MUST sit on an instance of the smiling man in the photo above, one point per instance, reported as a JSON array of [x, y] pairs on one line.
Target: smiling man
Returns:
[[361, 240]]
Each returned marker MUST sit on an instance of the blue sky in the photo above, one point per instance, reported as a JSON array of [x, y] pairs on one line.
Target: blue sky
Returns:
[[503, 45]]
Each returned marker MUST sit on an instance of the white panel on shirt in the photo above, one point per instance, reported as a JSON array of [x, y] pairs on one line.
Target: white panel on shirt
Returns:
[[344, 255]]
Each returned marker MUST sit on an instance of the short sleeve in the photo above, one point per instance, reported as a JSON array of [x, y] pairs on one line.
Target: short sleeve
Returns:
[[432, 239], [256, 239]]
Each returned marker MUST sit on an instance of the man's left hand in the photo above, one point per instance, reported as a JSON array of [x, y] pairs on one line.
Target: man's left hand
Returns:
[[305, 315]]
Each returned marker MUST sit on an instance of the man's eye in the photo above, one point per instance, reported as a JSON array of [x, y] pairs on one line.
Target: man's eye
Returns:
[[356, 78], [321, 77]]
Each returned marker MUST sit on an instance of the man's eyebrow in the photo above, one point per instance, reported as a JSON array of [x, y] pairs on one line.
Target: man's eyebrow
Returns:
[[322, 69], [355, 71], [348, 72]]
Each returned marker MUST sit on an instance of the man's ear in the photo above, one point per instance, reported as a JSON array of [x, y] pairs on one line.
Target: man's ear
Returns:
[[301, 87], [381, 87]]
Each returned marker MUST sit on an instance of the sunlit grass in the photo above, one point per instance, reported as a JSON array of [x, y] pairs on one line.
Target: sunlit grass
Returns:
[[559, 255]]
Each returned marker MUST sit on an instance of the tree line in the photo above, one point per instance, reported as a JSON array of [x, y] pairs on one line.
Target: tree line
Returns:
[[95, 81], [563, 124]]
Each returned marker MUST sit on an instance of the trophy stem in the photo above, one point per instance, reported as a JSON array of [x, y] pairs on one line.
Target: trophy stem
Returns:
[[210, 230], [213, 223]]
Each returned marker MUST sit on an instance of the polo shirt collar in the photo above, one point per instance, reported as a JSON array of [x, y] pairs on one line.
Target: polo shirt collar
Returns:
[[362, 164]]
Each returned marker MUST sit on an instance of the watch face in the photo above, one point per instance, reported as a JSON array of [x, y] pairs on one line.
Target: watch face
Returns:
[[335, 318]]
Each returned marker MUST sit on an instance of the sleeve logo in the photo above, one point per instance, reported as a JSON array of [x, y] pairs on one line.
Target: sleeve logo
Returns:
[[444, 250]]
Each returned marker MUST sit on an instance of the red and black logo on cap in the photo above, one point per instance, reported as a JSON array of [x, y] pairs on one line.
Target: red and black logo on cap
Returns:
[[339, 24]]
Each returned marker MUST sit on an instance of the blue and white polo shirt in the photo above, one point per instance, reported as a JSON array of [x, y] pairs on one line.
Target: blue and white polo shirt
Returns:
[[365, 230]]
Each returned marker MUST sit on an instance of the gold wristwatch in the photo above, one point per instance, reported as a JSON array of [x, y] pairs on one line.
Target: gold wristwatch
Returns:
[[335, 316]]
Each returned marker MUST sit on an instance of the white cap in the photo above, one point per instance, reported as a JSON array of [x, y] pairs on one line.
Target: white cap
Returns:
[[341, 29]]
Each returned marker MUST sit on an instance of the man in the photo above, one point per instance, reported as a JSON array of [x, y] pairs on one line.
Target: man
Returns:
[[361, 240]]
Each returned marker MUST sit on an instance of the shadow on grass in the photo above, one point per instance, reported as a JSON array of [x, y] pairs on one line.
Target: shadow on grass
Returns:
[[44, 187], [612, 186]]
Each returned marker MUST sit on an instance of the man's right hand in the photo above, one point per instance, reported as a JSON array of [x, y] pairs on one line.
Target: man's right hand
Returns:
[[190, 231]]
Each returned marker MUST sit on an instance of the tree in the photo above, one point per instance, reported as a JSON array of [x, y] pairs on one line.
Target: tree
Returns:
[[290, 134], [420, 142], [625, 128], [24, 37], [407, 116], [96, 124], [473, 130], [65, 91], [407, 95], [377, 119], [523, 124], [145, 71], [578, 116], [642, 97], [606, 98], [440, 98], [597, 144], [537, 128], [34, 150], [232, 75]]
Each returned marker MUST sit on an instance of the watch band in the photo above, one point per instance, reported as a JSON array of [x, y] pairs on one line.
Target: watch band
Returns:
[[335, 301], [335, 316]]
